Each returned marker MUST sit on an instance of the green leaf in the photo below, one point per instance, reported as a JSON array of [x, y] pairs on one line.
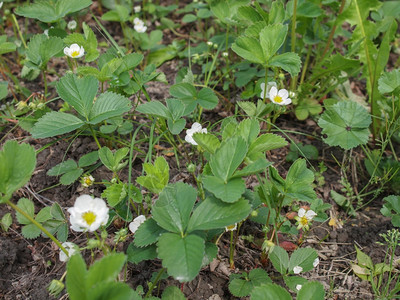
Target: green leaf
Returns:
[[55, 123], [109, 105], [229, 191], [345, 124], [155, 108], [279, 259], [208, 142], [392, 203], [113, 160], [188, 18], [63, 167], [76, 278], [212, 213], [293, 281], [48, 11], [28, 207], [43, 215], [148, 233], [6, 47], [228, 158], [207, 98], [298, 183], [253, 168], [289, 61], [17, 163], [172, 293], [182, 256], [56, 212], [114, 194], [69, 177], [364, 260], [266, 142], [240, 288], [307, 107], [30, 231], [189, 96], [78, 92], [272, 38], [139, 254], [311, 291], [157, 175], [176, 126], [6, 221], [105, 270], [249, 48], [112, 291], [303, 257], [225, 10], [248, 129], [389, 82], [270, 291], [88, 159], [172, 209]]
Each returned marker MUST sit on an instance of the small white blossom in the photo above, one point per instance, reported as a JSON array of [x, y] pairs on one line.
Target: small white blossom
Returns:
[[304, 218], [87, 180], [209, 43], [71, 25], [134, 225], [225, 54], [298, 287], [137, 9], [231, 227], [71, 249], [74, 51], [88, 214], [196, 127], [297, 270], [315, 262], [139, 25], [280, 97], [270, 84]]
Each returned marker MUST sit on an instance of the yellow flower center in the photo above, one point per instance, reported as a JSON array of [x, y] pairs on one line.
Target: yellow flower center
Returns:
[[89, 217], [231, 227], [88, 181], [75, 53], [303, 221], [278, 99]]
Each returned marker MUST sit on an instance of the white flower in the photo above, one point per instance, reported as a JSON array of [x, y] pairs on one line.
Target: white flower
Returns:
[[297, 270], [209, 43], [196, 127], [304, 217], [71, 25], [88, 214], [74, 51], [225, 54], [46, 32], [87, 180], [315, 262], [137, 9], [280, 97], [1, 4], [134, 225], [231, 227], [71, 248], [139, 25], [270, 84], [298, 287]]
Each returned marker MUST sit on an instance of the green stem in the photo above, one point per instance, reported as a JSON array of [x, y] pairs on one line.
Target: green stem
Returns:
[[303, 72], [94, 136], [45, 82], [265, 84], [293, 40], [38, 225], [19, 31], [231, 252], [155, 282]]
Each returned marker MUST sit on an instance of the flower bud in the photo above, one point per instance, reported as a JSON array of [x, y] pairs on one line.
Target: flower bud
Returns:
[[21, 105], [55, 288], [191, 168], [254, 213]]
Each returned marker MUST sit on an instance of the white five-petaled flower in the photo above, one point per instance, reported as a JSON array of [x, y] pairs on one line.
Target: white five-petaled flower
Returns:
[[88, 213], [297, 270], [304, 217], [298, 287], [315, 262], [280, 97], [270, 84], [134, 225], [74, 51], [139, 25], [71, 25], [196, 127], [71, 249], [231, 227], [137, 9]]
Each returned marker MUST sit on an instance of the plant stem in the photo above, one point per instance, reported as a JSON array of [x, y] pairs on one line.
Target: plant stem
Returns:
[[231, 252], [154, 283], [19, 31], [94, 136], [293, 40], [38, 225]]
